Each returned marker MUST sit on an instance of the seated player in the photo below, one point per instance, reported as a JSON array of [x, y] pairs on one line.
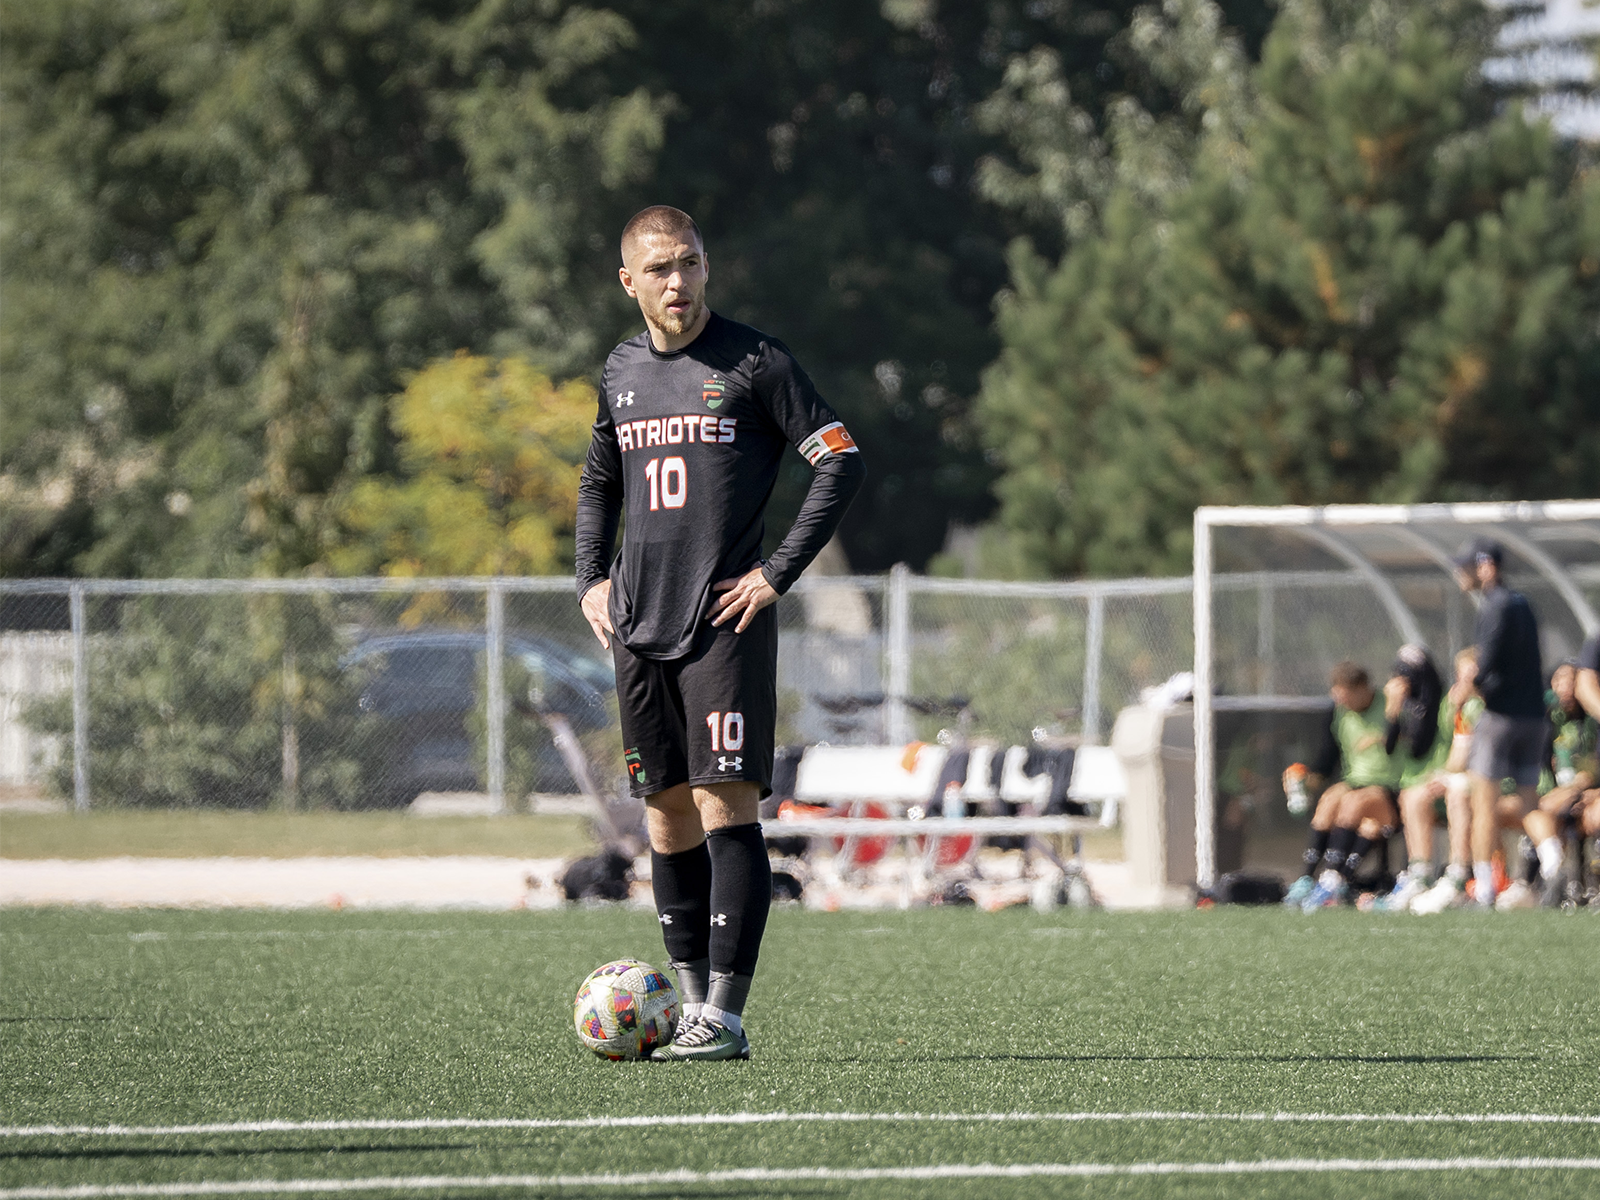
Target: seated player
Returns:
[[1421, 728], [1450, 889], [1571, 772], [1358, 811]]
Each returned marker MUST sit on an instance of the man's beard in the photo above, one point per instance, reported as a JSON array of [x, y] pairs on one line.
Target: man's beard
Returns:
[[675, 325]]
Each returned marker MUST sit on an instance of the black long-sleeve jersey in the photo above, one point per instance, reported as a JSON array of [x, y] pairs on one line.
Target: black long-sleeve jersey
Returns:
[[689, 444]]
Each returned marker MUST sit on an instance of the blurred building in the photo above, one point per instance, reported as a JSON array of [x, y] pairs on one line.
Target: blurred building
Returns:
[[1550, 48]]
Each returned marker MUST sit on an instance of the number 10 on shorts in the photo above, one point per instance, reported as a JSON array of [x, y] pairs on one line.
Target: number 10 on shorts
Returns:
[[727, 731]]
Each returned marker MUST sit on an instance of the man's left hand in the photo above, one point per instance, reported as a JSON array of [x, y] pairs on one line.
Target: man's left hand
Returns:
[[743, 597]]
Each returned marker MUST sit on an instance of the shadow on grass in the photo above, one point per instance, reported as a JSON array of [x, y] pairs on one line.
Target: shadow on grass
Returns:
[[21, 1020], [1407, 1059], [226, 1151]]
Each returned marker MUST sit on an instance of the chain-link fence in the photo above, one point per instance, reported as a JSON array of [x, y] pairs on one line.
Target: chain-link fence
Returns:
[[360, 693]]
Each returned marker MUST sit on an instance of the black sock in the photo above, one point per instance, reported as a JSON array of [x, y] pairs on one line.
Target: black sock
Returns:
[[1315, 849], [682, 885], [1352, 860], [1338, 848], [741, 894]]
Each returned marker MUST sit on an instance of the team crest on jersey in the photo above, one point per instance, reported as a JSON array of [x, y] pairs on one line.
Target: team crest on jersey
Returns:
[[711, 391], [636, 770]]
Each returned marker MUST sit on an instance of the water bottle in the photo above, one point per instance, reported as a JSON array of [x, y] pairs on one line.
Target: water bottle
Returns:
[[1295, 789], [954, 805]]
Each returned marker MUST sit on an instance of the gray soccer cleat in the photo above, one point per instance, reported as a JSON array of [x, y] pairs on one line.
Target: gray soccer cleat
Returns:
[[704, 1041]]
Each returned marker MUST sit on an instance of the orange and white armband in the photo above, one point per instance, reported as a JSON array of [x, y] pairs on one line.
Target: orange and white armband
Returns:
[[830, 439]]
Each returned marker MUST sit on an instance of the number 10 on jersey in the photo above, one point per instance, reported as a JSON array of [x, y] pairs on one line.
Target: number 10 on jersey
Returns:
[[727, 731], [669, 486]]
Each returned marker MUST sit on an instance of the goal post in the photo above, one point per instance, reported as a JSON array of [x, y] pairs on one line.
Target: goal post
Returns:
[[1283, 593]]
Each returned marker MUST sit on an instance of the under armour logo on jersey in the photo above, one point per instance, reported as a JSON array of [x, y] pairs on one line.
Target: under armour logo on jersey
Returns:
[[719, 918], [729, 764], [624, 399], [665, 918]]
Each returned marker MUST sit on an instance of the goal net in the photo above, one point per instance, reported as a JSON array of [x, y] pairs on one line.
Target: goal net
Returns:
[[1283, 594]]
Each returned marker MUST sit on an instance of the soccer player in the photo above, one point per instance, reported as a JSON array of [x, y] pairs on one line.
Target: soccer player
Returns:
[[1510, 739], [1572, 771], [695, 415], [1421, 728], [1450, 800], [1358, 811]]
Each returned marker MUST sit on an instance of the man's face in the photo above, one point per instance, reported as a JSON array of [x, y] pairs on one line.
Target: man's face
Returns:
[[1488, 572], [1356, 699], [1564, 683], [666, 274]]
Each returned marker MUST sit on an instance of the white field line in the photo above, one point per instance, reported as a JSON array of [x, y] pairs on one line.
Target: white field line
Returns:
[[1318, 1166], [775, 1118]]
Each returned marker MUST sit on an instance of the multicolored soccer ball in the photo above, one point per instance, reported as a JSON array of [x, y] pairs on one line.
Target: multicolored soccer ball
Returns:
[[625, 1009]]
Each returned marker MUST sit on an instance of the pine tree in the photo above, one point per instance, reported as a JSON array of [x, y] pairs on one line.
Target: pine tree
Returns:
[[237, 224], [1376, 281]]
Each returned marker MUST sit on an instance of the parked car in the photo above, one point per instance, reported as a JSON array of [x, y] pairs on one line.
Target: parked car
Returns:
[[424, 686]]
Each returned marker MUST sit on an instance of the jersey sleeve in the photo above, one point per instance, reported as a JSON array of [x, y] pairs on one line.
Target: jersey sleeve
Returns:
[[1589, 656], [814, 429], [599, 501]]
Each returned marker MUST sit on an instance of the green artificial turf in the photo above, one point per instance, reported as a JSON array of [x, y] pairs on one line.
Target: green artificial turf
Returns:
[[189, 833], [178, 1017]]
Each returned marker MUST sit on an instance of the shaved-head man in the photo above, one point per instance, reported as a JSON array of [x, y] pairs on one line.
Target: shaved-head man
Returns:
[[696, 414]]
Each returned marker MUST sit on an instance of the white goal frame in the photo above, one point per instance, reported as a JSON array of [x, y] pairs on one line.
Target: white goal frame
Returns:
[[1320, 526]]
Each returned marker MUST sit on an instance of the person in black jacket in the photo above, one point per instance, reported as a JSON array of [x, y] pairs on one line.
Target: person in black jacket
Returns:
[[1510, 739]]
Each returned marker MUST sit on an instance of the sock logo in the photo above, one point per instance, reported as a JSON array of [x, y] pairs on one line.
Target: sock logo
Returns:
[[719, 918], [729, 764], [665, 918], [636, 771]]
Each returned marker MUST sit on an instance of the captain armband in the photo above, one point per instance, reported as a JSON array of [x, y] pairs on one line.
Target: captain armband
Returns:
[[830, 439]]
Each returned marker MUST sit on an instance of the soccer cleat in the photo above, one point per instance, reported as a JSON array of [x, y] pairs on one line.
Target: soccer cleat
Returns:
[[1298, 891], [704, 1041], [1555, 892], [1447, 893], [1518, 895], [1406, 890], [1330, 892]]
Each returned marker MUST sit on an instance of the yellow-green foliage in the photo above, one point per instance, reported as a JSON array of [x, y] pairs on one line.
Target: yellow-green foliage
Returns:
[[492, 450]]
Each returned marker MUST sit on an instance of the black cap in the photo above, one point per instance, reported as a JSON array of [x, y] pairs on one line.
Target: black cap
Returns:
[[1471, 553]]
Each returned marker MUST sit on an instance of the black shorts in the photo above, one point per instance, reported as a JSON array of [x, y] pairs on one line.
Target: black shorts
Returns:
[[708, 717]]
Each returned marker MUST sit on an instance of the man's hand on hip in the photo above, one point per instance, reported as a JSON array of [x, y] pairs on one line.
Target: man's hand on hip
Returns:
[[596, 605], [743, 597]]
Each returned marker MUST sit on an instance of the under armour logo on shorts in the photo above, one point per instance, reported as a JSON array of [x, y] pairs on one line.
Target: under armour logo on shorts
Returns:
[[729, 764], [719, 918], [665, 918]]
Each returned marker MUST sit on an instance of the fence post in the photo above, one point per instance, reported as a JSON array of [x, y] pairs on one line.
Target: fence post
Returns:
[[1267, 637], [1094, 647], [495, 708], [897, 656], [80, 701]]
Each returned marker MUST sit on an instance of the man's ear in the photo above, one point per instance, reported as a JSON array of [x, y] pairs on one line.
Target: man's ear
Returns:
[[627, 282]]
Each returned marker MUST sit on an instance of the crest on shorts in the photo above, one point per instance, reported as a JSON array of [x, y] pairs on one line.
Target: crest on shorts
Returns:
[[636, 770], [711, 391]]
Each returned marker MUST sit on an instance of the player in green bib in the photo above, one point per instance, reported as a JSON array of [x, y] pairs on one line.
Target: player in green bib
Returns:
[[1426, 734], [1356, 812], [1572, 771]]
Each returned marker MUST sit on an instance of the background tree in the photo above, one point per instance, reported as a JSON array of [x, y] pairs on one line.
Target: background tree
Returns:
[[236, 227], [490, 453], [1361, 277], [237, 224]]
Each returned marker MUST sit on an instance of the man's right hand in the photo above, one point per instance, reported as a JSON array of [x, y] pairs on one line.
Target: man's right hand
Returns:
[[596, 605]]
